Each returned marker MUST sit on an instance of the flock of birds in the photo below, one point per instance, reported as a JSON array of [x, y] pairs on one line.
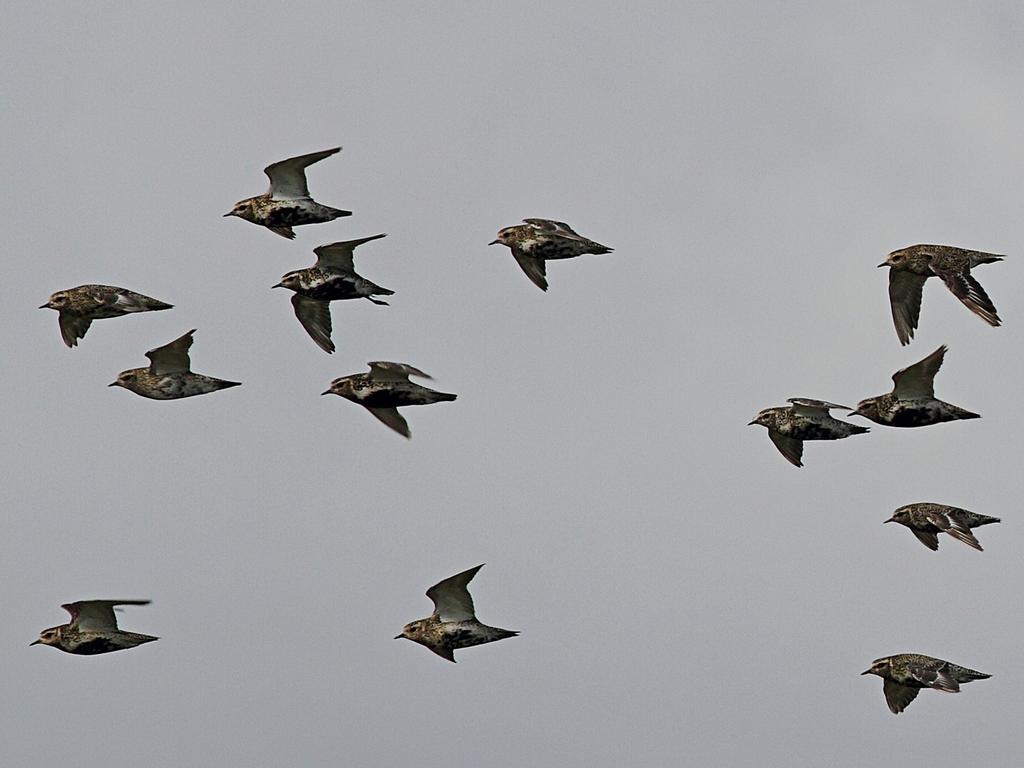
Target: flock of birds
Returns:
[[387, 386], [912, 403]]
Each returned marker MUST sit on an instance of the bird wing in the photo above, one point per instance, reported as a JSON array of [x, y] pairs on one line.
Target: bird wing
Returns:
[[96, 615], [72, 327], [936, 677], [339, 255], [452, 601], [929, 538], [789, 447], [288, 177], [171, 358], [963, 285], [808, 407], [954, 527], [559, 228], [382, 370], [897, 696], [918, 380], [392, 418], [535, 268], [315, 316], [905, 301]]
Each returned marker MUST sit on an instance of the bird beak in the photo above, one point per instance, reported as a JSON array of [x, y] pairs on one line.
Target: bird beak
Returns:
[[229, 213], [853, 413], [396, 637], [890, 520], [494, 242], [279, 285], [37, 642], [866, 672], [326, 393], [112, 384], [45, 306], [752, 423], [883, 264]]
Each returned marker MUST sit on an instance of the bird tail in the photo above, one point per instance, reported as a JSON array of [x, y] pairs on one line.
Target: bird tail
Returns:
[[337, 213]]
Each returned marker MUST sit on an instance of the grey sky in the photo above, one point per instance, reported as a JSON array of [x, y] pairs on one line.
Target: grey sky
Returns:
[[684, 595]]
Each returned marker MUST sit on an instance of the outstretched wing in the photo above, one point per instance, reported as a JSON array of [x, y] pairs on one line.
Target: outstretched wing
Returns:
[[72, 327], [808, 407], [918, 380], [288, 177], [315, 317], [382, 370], [452, 601], [905, 301], [789, 447], [96, 615], [963, 285], [535, 269], [339, 255], [954, 527], [392, 418], [551, 227], [897, 696], [171, 358]]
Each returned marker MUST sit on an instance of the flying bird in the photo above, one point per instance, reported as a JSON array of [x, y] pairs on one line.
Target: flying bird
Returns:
[[332, 278], [169, 375], [453, 623], [912, 402], [910, 267], [287, 203], [386, 388], [788, 426], [927, 520], [93, 629], [905, 674], [79, 306], [540, 240]]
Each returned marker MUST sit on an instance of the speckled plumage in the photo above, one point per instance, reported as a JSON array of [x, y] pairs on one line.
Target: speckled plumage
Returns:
[[288, 203], [806, 419], [332, 278], [453, 624], [905, 674], [169, 375], [92, 629], [540, 240], [912, 402], [927, 520], [910, 267], [386, 388], [79, 306]]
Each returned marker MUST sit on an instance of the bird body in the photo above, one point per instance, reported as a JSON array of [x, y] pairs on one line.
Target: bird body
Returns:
[[910, 267], [384, 389], [169, 375], [79, 306], [540, 240], [905, 674], [453, 624], [287, 203], [805, 419], [926, 520], [332, 278], [912, 402], [93, 629]]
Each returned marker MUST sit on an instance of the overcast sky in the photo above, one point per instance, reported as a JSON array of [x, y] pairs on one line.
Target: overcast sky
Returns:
[[685, 596]]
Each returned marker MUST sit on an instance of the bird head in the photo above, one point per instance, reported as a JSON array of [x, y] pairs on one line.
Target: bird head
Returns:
[[49, 636], [878, 667], [57, 301], [289, 281], [342, 387], [896, 258], [867, 408], [901, 515], [505, 237], [763, 418], [124, 379], [411, 630], [243, 209]]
